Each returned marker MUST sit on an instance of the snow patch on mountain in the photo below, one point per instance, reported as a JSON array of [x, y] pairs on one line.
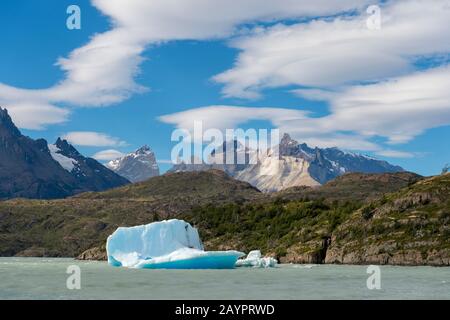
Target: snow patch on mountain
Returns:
[[136, 166], [65, 162]]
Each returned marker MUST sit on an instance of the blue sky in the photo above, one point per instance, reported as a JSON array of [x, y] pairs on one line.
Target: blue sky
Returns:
[[221, 63]]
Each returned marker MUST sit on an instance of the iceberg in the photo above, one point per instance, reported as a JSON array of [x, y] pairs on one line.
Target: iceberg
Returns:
[[168, 244], [255, 260]]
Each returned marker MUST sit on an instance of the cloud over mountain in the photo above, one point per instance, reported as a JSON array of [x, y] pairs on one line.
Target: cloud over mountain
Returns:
[[103, 71]]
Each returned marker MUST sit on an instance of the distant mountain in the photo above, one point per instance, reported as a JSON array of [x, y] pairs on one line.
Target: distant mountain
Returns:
[[33, 169], [136, 166], [295, 165], [90, 174]]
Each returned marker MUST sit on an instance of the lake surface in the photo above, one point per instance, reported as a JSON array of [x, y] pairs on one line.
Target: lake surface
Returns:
[[45, 278]]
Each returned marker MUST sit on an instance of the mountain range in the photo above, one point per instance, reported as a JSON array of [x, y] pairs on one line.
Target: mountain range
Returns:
[[34, 169], [293, 164]]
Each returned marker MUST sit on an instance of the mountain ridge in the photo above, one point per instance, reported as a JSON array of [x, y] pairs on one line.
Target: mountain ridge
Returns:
[[34, 169], [295, 164]]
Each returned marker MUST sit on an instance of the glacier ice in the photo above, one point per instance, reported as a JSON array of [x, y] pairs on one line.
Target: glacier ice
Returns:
[[255, 260], [169, 244]]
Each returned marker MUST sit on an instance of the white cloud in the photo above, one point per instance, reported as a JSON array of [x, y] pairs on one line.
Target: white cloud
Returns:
[[34, 115], [106, 155], [92, 139], [287, 120], [328, 53], [102, 72], [398, 110], [395, 154], [229, 117]]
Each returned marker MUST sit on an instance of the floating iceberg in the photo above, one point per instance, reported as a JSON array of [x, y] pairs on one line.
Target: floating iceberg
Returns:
[[255, 260], [170, 244]]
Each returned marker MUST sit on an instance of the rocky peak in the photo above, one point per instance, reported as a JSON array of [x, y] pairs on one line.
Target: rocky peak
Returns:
[[286, 140], [7, 127], [136, 166], [145, 149], [66, 148], [291, 147]]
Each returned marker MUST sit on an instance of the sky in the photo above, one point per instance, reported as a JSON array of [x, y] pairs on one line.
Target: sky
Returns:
[[373, 80]]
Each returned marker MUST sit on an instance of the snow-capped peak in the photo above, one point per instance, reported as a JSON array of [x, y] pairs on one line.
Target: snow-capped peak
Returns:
[[136, 166], [65, 162], [143, 150]]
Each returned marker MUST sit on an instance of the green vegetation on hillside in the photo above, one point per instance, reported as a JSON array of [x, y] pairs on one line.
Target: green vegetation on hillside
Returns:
[[346, 221], [272, 226]]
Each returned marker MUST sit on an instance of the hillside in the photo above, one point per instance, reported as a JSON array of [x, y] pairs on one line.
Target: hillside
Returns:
[[212, 185], [353, 186], [409, 225], [69, 226]]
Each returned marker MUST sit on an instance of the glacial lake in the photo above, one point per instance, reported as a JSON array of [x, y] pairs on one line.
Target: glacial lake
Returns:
[[45, 278]]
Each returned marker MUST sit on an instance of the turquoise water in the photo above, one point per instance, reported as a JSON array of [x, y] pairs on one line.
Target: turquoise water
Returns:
[[43, 278]]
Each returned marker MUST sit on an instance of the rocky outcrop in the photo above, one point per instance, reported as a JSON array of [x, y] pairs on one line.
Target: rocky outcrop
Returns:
[[95, 253], [377, 255]]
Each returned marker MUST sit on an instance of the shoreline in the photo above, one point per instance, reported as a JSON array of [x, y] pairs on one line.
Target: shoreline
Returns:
[[279, 264]]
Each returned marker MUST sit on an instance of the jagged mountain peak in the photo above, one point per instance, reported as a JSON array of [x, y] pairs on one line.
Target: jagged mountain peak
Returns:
[[291, 147], [136, 166], [66, 148], [145, 149], [286, 140], [7, 126], [297, 164], [34, 169]]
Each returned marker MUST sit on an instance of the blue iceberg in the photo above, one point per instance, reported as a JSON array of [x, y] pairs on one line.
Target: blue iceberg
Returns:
[[255, 260], [169, 244]]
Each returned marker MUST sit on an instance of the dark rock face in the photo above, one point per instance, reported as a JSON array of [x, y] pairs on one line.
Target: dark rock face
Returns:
[[28, 170], [90, 174]]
